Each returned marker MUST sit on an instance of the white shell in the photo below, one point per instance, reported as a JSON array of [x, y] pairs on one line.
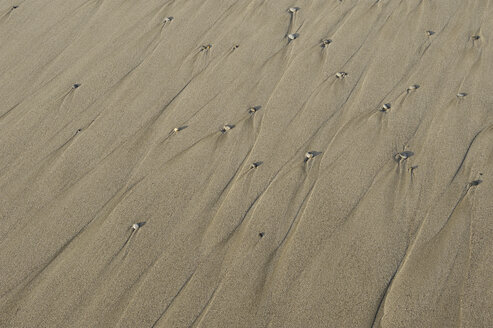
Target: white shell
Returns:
[[385, 107], [292, 36], [176, 130], [252, 110], [341, 75], [226, 128], [253, 165], [461, 95], [430, 33], [293, 10], [403, 155], [168, 19], [309, 155], [135, 226]]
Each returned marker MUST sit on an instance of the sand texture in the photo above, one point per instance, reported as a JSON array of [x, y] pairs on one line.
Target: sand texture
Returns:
[[266, 189]]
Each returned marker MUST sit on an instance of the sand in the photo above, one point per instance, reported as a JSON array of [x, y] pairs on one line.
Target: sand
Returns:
[[112, 115]]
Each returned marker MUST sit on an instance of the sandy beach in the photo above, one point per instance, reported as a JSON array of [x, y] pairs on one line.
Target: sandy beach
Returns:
[[246, 163]]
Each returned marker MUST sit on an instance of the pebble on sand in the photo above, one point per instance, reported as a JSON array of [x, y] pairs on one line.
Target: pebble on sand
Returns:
[[205, 47], [252, 110], [325, 42], [135, 226], [293, 36], [341, 75], [309, 155], [76, 85], [385, 108], [412, 88], [254, 165], [226, 128], [403, 155]]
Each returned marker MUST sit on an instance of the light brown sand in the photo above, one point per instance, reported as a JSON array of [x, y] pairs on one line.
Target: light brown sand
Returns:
[[351, 237]]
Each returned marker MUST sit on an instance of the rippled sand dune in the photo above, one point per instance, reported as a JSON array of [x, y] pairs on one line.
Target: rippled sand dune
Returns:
[[234, 163]]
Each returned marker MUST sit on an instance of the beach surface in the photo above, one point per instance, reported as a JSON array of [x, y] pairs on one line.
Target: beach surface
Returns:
[[234, 163]]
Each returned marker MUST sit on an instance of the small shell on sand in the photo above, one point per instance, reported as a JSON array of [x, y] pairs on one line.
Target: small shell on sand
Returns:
[[403, 155], [341, 75], [175, 130], [293, 36], [252, 110], [429, 33], [309, 155], [385, 107], [325, 42], [226, 128], [292, 10], [461, 95], [412, 88], [253, 165], [135, 226], [168, 19]]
